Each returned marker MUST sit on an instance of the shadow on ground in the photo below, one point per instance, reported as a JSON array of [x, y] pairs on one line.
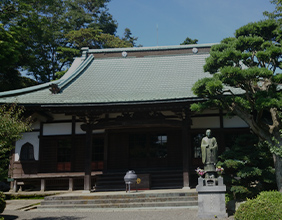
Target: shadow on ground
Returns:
[[13, 217], [57, 218], [9, 217]]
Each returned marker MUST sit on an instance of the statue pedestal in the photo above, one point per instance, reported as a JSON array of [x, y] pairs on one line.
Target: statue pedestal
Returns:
[[211, 198]]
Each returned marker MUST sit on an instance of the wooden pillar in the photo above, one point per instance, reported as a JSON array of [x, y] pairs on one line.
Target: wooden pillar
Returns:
[[88, 158], [221, 140], [73, 146], [15, 186], [12, 186], [70, 184], [106, 146], [43, 185], [186, 148]]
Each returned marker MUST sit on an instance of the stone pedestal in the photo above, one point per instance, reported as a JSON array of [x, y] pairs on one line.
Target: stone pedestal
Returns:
[[211, 198]]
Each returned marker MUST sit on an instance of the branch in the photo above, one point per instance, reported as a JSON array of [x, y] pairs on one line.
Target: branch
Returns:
[[275, 120], [258, 128], [270, 62], [63, 64], [226, 91], [265, 85], [253, 56]]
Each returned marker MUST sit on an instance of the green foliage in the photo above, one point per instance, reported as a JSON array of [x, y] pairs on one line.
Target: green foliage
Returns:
[[267, 205], [11, 127], [277, 13], [94, 38], [12, 54], [33, 35], [246, 81], [189, 41], [2, 202], [207, 87], [127, 37], [248, 168]]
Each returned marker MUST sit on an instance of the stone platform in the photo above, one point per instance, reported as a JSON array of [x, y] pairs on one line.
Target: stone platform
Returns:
[[140, 199], [211, 198]]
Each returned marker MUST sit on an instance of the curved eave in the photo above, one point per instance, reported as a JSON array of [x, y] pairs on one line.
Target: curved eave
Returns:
[[28, 89], [60, 82], [149, 102]]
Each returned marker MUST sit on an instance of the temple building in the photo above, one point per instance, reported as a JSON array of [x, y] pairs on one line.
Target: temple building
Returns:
[[117, 110]]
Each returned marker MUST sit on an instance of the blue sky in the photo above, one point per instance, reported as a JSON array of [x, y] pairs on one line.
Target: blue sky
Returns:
[[209, 21]]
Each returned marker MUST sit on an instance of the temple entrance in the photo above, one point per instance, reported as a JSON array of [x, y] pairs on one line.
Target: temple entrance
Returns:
[[97, 153], [148, 150]]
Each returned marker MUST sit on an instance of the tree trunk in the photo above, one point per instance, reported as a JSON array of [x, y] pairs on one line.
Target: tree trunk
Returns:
[[278, 171], [265, 134]]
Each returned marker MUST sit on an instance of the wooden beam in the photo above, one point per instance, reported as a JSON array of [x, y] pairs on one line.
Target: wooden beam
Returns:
[[88, 157], [186, 145]]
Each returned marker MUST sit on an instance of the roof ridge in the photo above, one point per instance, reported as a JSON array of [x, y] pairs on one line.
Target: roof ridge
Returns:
[[172, 47], [76, 72]]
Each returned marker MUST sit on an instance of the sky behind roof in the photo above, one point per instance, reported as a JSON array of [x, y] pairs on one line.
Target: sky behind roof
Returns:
[[209, 21]]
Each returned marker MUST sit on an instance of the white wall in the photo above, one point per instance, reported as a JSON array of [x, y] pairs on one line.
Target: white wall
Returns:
[[35, 125], [61, 117], [214, 122], [205, 122], [32, 138], [234, 122], [78, 129], [57, 128]]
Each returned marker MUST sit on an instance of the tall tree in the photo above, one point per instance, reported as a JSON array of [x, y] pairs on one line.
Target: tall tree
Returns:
[[247, 81], [42, 27], [127, 37], [95, 39], [12, 55], [11, 126], [189, 41], [277, 13]]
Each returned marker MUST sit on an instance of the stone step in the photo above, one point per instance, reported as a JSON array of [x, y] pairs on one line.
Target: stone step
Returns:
[[121, 196], [143, 199], [113, 201], [159, 180], [122, 205]]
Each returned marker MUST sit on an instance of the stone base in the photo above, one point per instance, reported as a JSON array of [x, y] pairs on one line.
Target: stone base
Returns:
[[186, 187], [211, 198]]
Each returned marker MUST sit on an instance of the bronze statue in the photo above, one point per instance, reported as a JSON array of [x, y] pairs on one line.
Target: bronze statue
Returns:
[[209, 154]]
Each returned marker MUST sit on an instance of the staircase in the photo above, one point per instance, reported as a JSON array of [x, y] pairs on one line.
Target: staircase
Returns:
[[159, 180], [110, 182], [167, 179], [142, 199]]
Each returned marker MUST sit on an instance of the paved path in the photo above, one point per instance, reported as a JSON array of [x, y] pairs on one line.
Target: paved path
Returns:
[[14, 211]]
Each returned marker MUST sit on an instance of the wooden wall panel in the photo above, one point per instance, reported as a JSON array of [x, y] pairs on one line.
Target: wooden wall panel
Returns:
[[79, 152], [175, 149], [48, 155], [118, 151]]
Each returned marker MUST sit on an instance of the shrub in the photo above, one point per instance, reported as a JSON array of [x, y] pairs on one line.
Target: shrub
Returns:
[[2, 202], [248, 167], [267, 205]]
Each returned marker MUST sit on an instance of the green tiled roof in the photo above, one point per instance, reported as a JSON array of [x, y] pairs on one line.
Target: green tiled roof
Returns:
[[119, 80]]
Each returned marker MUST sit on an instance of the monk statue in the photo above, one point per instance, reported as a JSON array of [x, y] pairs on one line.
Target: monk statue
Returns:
[[209, 154]]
